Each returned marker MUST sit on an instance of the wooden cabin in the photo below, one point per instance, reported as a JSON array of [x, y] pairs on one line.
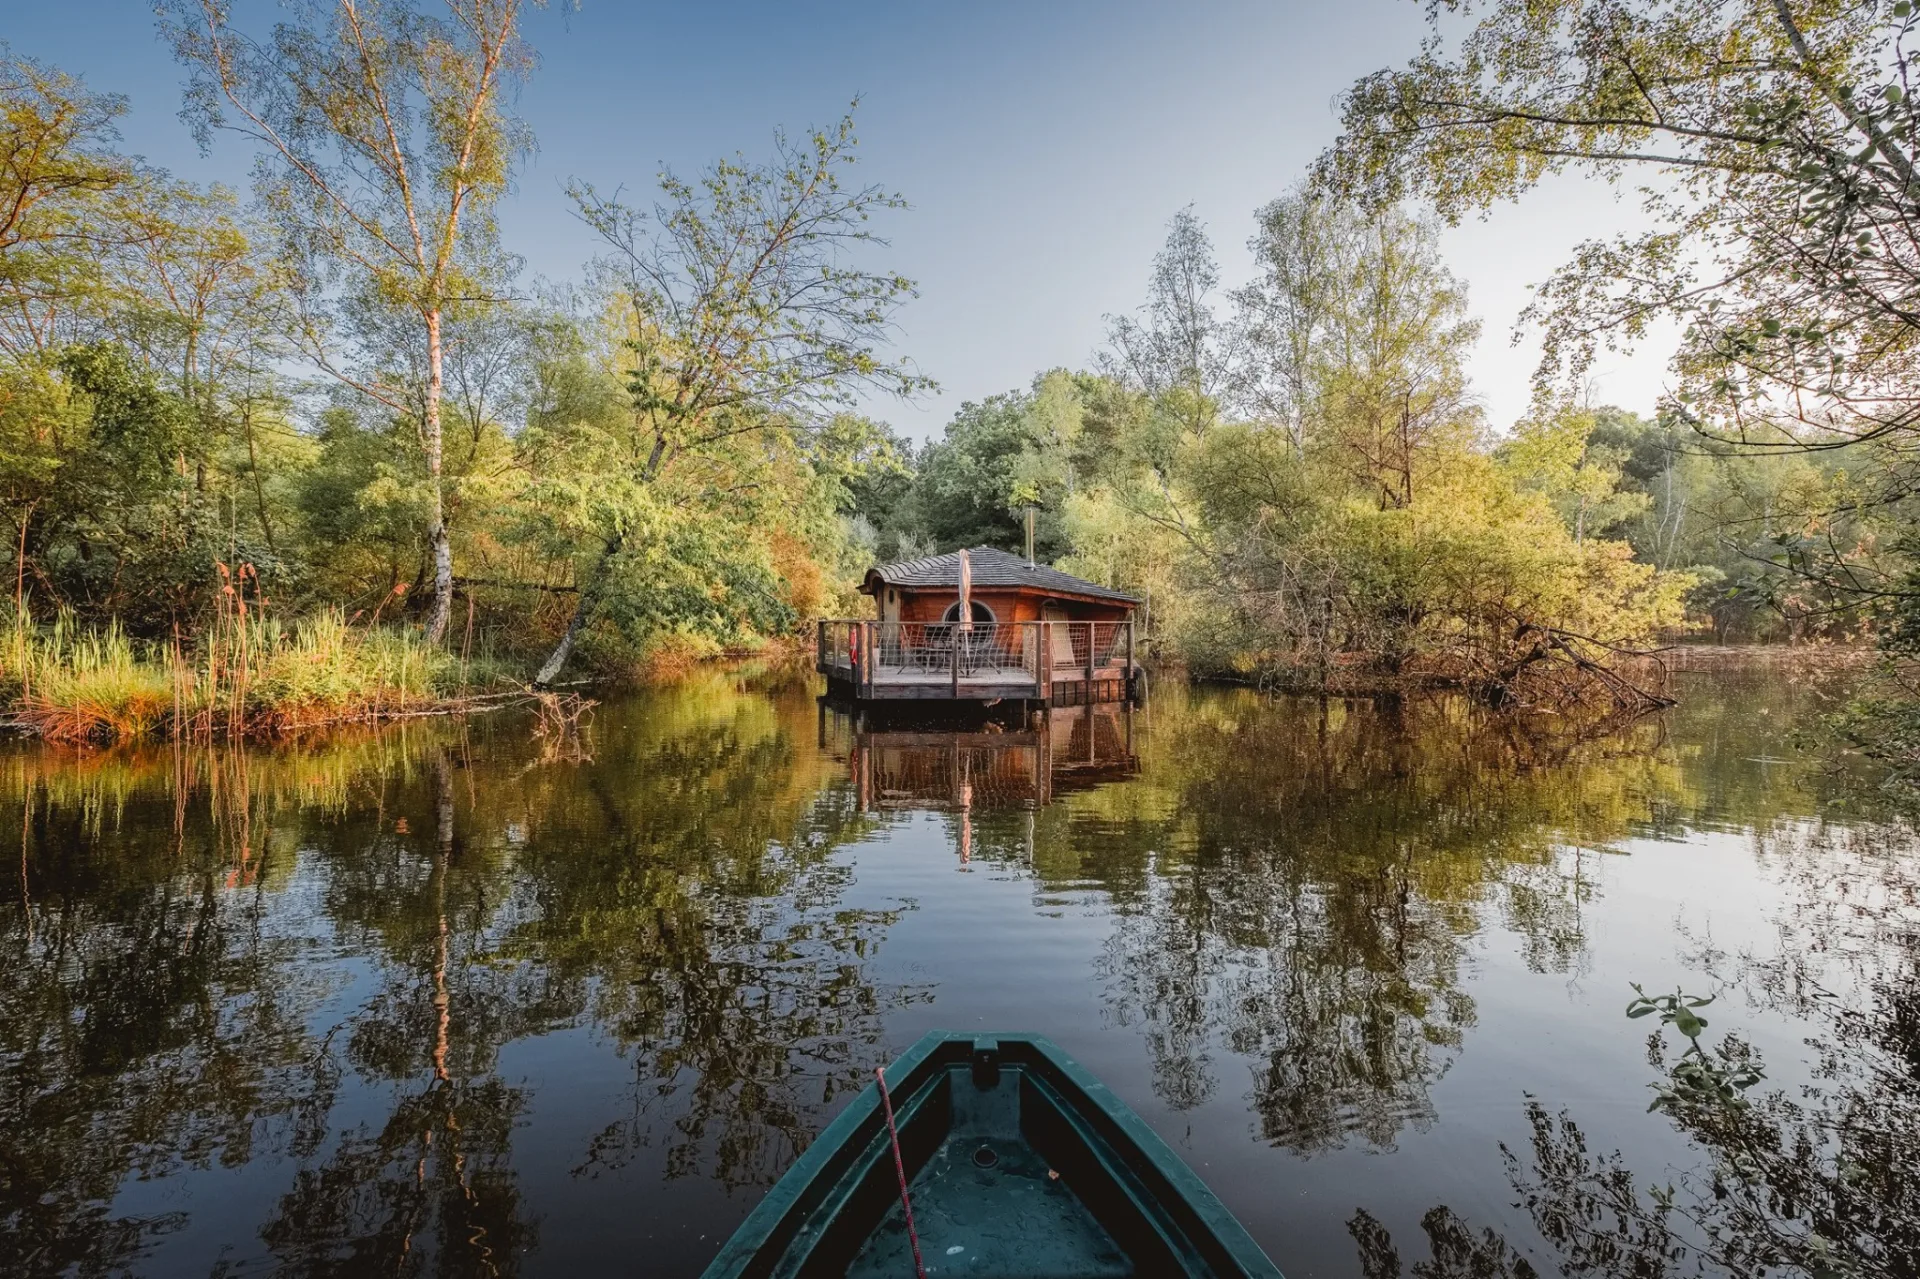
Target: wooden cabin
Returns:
[[1028, 632]]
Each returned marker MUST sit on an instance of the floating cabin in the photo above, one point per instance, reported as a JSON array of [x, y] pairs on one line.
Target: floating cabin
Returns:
[[982, 626]]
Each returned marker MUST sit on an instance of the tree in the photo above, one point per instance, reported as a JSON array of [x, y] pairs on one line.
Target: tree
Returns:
[[50, 122], [385, 147], [1167, 376], [489, 358], [1180, 353], [38, 421], [882, 498], [1354, 337], [1285, 312], [1355, 533], [97, 250], [1557, 455], [750, 313], [998, 458], [1775, 147], [54, 166]]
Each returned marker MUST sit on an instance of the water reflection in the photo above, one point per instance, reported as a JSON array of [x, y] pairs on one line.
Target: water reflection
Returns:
[[1812, 1170], [443, 999], [1324, 874], [986, 766]]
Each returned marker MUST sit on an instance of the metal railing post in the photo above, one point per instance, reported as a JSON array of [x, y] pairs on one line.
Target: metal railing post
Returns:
[[1090, 626], [1040, 689], [1130, 659]]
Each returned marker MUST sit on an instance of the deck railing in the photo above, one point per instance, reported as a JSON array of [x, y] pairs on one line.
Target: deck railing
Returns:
[[868, 654]]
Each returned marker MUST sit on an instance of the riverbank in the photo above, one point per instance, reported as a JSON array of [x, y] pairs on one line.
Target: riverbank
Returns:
[[1635, 680], [258, 677]]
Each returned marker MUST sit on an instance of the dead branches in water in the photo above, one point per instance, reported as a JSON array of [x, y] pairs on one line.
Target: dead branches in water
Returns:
[[560, 721], [1557, 669], [1527, 667]]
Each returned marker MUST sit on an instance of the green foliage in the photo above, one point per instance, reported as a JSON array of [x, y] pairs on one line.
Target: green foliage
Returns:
[[666, 457], [1296, 473], [109, 492], [1297, 478], [362, 505], [1697, 1078], [1773, 147], [997, 459], [1365, 536], [1560, 457], [744, 318], [59, 185], [385, 149]]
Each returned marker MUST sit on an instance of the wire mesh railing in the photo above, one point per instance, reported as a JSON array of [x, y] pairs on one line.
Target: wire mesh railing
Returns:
[[1042, 651]]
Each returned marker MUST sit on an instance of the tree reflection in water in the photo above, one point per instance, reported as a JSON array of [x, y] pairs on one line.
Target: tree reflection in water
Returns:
[[162, 1014], [309, 963], [1821, 1178], [1319, 872], [142, 1027]]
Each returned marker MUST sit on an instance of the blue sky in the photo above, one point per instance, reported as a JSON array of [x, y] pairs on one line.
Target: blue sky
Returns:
[[1043, 146]]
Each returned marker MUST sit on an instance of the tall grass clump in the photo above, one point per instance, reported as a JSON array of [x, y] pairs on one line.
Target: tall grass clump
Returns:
[[245, 673], [69, 682]]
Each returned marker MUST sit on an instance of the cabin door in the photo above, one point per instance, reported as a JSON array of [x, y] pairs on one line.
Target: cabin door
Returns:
[[1060, 638]]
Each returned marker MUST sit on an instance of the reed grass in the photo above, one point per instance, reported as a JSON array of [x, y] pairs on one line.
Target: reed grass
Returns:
[[245, 674]]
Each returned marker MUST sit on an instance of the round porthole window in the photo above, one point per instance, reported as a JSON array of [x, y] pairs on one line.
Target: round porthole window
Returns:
[[982, 615]]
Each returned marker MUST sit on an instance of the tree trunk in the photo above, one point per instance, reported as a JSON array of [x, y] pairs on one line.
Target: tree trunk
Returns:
[[557, 660], [259, 489], [20, 564], [437, 535]]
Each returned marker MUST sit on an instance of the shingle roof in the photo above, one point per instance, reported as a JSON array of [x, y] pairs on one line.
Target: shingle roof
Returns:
[[991, 568]]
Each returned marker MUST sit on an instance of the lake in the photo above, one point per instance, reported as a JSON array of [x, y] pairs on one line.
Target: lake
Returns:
[[460, 999]]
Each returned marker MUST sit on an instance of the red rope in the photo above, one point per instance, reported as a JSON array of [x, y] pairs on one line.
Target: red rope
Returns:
[[900, 1171]]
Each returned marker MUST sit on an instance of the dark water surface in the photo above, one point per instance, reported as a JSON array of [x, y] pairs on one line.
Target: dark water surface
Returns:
[[461, 1001]]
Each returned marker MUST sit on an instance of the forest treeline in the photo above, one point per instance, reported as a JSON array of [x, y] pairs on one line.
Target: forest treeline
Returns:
[[260, 455], [329, 452], [1298, 477]]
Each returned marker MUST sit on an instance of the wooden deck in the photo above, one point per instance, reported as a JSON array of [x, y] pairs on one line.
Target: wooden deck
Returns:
[[1055, 663]]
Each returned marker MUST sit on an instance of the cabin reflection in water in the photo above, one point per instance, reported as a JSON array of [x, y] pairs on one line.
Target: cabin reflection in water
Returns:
[[1068, 749]]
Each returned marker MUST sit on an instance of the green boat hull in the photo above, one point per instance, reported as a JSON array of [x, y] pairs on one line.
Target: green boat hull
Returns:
[[1020, 1165]]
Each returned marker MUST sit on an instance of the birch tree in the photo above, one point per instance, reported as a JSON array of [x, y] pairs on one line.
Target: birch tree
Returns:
[[385, 146]]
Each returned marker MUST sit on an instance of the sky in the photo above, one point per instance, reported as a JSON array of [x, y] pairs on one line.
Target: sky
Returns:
[[1042, 145]]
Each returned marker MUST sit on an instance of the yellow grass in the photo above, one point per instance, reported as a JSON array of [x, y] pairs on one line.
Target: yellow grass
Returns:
[[247, 675]]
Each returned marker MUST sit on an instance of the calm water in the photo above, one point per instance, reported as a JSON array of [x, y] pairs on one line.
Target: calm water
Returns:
[[459, 1001]]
